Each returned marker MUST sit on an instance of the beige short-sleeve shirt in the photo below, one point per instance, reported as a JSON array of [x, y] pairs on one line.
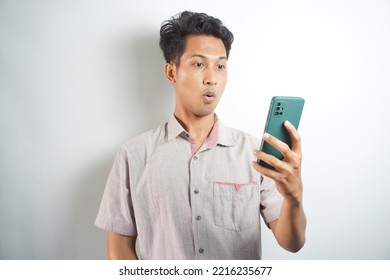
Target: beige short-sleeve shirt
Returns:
[[188, 204]]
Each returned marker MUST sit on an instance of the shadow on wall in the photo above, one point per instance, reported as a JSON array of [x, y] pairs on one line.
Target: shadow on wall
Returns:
[[154, 94], [147, 100], [143, 93]]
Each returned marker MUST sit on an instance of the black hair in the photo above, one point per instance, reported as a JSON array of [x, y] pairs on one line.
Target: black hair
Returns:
[[173, 33]]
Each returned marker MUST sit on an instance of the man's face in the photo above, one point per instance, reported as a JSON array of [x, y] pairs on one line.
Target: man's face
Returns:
[[201, 77]]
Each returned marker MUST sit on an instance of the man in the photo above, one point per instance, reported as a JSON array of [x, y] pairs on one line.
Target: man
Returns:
[[191, 188]]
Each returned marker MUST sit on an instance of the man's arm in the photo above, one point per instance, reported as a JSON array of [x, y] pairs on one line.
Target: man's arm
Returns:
[[121, 247], [289, 229]]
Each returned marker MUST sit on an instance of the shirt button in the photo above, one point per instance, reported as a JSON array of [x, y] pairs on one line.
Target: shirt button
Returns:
[[196, 191], [195, 157], [198, 217], [201, 250]]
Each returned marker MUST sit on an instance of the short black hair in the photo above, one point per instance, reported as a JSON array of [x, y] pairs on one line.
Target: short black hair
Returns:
[[173, 33]]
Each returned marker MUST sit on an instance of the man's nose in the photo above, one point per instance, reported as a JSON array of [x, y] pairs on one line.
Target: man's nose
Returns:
[[210, 78]]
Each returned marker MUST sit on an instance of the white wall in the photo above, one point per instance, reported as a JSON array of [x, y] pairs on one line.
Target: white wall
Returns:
[[78, 78]]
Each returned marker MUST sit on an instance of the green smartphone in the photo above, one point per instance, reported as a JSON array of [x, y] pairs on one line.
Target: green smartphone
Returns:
[[281, 108]]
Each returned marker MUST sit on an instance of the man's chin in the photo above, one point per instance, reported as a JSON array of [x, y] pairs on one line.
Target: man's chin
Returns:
[[206, 112]]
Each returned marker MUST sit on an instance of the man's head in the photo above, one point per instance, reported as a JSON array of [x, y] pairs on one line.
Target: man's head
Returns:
[[196, 48], [174, 32]]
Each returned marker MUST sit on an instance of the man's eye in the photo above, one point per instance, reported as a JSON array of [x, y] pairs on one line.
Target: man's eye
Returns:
[[220, 66], [199, 64]]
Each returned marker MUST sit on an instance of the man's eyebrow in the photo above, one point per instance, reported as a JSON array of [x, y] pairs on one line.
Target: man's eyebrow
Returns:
[[205, 57]]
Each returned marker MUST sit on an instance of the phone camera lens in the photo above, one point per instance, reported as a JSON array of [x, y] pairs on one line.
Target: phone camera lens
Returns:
[[276, 113], [277, 108]]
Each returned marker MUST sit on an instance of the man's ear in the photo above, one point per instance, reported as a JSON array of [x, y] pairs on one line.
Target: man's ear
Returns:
[[170, 72]]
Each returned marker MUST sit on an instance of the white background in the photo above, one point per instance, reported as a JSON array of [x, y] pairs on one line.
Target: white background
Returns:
[[79, 78]]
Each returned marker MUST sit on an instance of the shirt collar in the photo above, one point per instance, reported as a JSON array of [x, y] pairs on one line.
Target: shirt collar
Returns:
[[219, 135]]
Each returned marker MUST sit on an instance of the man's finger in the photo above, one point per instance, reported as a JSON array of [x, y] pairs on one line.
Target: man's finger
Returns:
[[295, 137], [277, 144]]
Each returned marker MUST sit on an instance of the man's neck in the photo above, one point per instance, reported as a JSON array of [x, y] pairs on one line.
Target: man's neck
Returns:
[[198, 127]]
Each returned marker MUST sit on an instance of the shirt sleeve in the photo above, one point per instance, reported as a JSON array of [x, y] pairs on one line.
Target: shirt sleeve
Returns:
[[116, 212], [271, 200]]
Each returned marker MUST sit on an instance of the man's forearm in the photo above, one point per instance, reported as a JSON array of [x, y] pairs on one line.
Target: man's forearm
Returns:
[[289, 229], [120, 247], [122, 254]]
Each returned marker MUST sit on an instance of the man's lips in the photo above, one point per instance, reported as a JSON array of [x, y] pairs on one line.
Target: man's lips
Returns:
[[208, 97]]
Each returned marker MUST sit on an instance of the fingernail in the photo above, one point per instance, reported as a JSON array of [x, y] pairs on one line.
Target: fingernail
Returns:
[[287, 123], [265, 136], [254, 152]]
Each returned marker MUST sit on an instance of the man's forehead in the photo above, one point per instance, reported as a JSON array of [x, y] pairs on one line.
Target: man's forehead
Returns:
[[205, 47], [216, 57]]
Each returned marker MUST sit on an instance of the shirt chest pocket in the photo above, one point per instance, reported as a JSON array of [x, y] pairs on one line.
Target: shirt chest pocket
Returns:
[[236, 205]]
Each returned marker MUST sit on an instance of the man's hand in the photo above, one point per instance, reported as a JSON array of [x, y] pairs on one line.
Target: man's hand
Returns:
[[289, 228], [287, 173]]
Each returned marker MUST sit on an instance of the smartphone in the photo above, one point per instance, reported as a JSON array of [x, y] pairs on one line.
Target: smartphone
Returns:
[[281, 108]]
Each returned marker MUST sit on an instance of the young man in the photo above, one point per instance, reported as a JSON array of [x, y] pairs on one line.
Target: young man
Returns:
[[191, 188]]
